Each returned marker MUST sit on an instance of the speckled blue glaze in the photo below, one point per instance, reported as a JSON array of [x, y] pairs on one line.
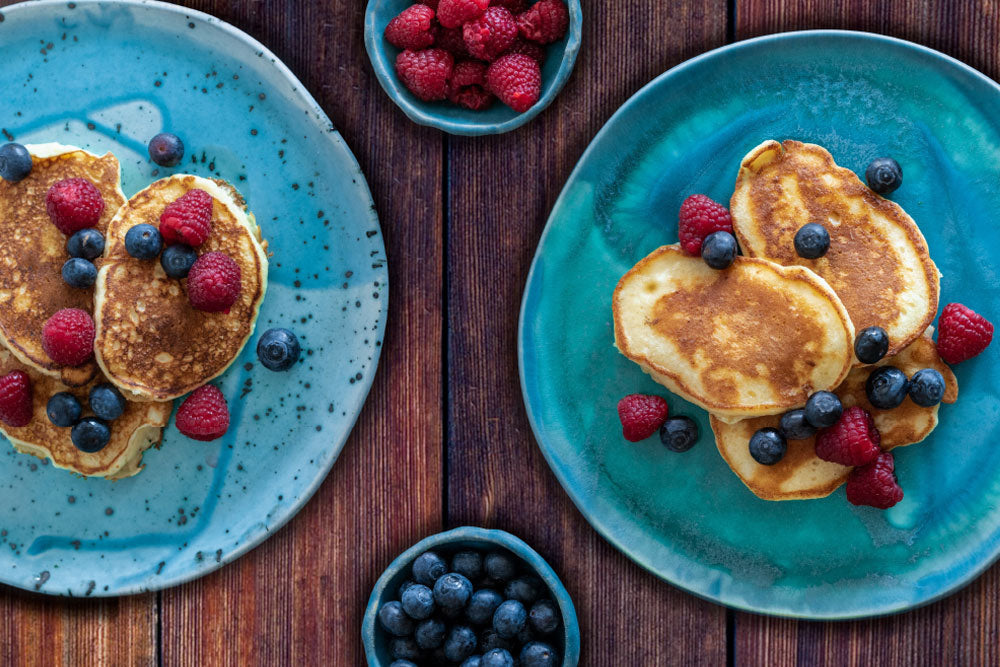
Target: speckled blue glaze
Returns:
[[108, 76], [376, 640], [450, 117], [687, 517]]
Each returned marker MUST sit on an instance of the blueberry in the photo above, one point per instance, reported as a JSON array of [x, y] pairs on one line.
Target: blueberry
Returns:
[[886, 387], [86, 243], [871, 344], [525, 635], [451, 613], [403, 586], [278, 350], [452, 591], [482, 605], [143, 241], [63, 409], [679, 434], [418, 602], [177, 260], [90, 435], [107, 402], [430, 633], [524, 589], [927, 387], [499, 566], [472, 661], [403, 663], [544, 617], [460, 644], [538, 654], [491, 639], [509, 618], [719, 250], [428, 568], [404, 648], [469, 564], [166, 149], [77, 272], [812, 241], [15, 162], [823, 409], [795, 426], [498, 657], [394, 619], [767, 446], [884, 175]]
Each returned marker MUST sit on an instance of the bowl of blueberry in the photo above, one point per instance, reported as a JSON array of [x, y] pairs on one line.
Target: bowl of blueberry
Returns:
[[470, 597]]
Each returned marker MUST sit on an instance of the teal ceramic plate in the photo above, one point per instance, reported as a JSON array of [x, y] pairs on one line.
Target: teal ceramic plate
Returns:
[[686, 517], [108, 76]]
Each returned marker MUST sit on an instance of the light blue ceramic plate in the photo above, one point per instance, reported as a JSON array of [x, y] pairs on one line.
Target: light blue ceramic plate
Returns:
[[686, 517], [108, 76]]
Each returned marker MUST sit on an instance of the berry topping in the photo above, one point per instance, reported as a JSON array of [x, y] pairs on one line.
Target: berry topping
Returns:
[[812, 241], [875, 484], [418, 602], [178, 259], [886, 387], [679, 434], [68, 337], [74, 204], [107, 402], [509, 618], [467, 86], [852, 441], [204, 414], [143, 241], [491, 34], [517, 80], [641, 416], [823, 409], [884, 175], [768, 446], [78, 272], [795, 426], [394, 619], [166, 149], [452, 591], [90, 435], [63, 409], [428, 568], [700, 216], [461, 641], [15, 399], [425, 73], [538, 654], [451, 40], [15, 162], [453, 13], [530, 49], [719, 250], [871, 344], [544, 617], [411, 29], [214, 282], [544, 22], [927, 387], [187, 219], [962, 333], [86, 243]]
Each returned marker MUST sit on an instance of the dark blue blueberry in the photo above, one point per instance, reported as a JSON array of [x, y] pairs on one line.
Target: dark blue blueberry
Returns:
[[90, 435], [679, 434], [460, 644], [403, 663], [871, 344], [394, 620], [86, 243], [499, 566], [544, 617], [538, 654], [767, 446], [472, 661], [469, 564], [886, 387], [278, 350], [143, 241], [418, 601], [509, 618], [177, 260], [884, 175], [78, 272], [795, 426], [107, 402], [525, 589], [481, 606], [15, 162], [166, 149], [927, 387], [404, 648], [428, 568], [497, 657], [430, 633], [490, 640], [823, 409], [403, 586], [63, 409], [719, 250], [812, 241], [452, 591]]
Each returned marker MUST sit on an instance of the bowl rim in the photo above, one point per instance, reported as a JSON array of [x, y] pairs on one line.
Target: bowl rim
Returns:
[[385, 73], [501, 538]]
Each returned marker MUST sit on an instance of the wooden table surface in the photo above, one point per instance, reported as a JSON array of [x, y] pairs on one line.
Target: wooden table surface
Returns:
[[443, 440]]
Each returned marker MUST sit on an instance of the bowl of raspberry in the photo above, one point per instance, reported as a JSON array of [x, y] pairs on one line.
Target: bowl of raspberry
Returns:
[[473, 67]]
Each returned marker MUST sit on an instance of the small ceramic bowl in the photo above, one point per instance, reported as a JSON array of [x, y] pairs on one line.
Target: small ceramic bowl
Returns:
[[376, 639], [449, 117]]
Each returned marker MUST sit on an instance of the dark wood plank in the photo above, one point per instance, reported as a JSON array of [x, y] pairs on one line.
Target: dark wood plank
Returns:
[[501, 191]]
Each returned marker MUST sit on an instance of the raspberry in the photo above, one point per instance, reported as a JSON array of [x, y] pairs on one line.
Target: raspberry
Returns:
[[875, 484], [74, 204], [517, 80], [187, 219], [530, 49], [852, 441], [433, 4], [467, 86], [425, 73], [699, 217], [491, 34], [451, 40], [512, 6], [204, 414], [962, 333], [641, 416], [213, 284], [411, 29], [15, 399], [545, 22], [68, 337], [453, 13]]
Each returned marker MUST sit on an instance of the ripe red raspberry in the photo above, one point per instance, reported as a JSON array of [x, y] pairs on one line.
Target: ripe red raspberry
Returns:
[[491, 34], [411, 29], [962, 333], [187, 219], [530, 49], [204, 414], [74, 204], [214, 283], [453, 13], [544, 22], [875, 483], [425, 73], [467, 86], [641, 416], [699, 217], [451, 40], [68, 337], [15, 399], [517, 80], [513, 6], [852, 441]]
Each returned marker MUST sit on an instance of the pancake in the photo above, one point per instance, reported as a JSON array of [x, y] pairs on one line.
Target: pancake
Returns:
[[801, 474], [33, 250], [755, 339], [139, 427], [878, 262], [150, 341]]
